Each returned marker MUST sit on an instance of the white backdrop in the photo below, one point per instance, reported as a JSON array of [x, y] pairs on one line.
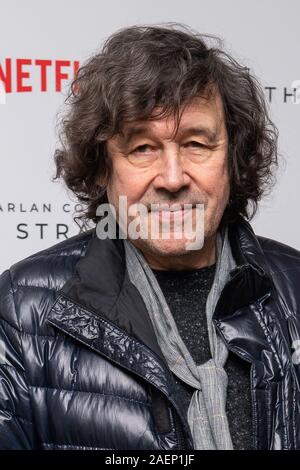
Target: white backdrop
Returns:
[[54, 36]]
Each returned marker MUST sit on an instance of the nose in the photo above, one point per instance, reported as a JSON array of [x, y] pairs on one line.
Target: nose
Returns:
[[171, 174]]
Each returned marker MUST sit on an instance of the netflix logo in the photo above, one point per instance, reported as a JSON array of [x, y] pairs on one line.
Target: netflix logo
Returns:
[[29, 75]]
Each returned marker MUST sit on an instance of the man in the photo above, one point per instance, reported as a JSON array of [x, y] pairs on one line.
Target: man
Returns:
[[141, 342]]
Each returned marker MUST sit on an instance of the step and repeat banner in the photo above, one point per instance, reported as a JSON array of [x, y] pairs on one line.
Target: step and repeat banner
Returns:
[[42, 45]]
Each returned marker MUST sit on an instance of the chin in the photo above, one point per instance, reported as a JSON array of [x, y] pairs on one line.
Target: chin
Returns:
[[166, 248]]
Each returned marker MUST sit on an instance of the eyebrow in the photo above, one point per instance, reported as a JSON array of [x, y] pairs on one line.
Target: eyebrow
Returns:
[[135, 131]]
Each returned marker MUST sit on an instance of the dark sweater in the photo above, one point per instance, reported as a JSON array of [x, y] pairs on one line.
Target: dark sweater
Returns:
[[186, 294]]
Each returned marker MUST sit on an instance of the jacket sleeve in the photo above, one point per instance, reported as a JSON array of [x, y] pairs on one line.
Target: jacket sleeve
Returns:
[[16, 426]]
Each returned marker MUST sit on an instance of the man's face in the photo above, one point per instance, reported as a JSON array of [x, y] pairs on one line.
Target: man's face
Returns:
[[150, 167]]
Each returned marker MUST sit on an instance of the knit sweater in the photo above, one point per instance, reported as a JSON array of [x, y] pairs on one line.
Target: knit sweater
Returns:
[[186, 293]]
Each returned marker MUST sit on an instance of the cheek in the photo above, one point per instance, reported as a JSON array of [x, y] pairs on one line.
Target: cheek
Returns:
[[215, 181], [125, 182]]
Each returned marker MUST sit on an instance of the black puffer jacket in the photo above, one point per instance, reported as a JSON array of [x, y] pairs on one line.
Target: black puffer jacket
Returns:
[[81, 367]]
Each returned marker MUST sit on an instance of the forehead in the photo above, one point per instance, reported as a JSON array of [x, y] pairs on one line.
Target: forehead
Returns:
[[200, 111]]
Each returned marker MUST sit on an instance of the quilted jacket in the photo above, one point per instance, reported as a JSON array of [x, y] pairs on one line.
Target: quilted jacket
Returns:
[[81, 367]]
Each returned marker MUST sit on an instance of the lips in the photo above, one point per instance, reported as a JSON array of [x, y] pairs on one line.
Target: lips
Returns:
[[178, 208], [176, 215]]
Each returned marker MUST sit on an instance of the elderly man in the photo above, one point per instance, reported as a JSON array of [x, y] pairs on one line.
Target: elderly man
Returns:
[[153, 342]]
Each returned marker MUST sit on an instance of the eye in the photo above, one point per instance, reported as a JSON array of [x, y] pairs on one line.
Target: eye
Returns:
[[141, 148], [193, 143]]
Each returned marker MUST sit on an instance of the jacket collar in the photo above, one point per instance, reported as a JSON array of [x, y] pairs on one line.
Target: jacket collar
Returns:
[[245, 246], [250, 280]]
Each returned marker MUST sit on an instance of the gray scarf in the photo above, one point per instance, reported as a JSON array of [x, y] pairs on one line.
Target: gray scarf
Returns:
[[206, 413]]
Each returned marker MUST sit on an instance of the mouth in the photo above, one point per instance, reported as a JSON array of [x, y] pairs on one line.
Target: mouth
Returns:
[[174, 215]]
